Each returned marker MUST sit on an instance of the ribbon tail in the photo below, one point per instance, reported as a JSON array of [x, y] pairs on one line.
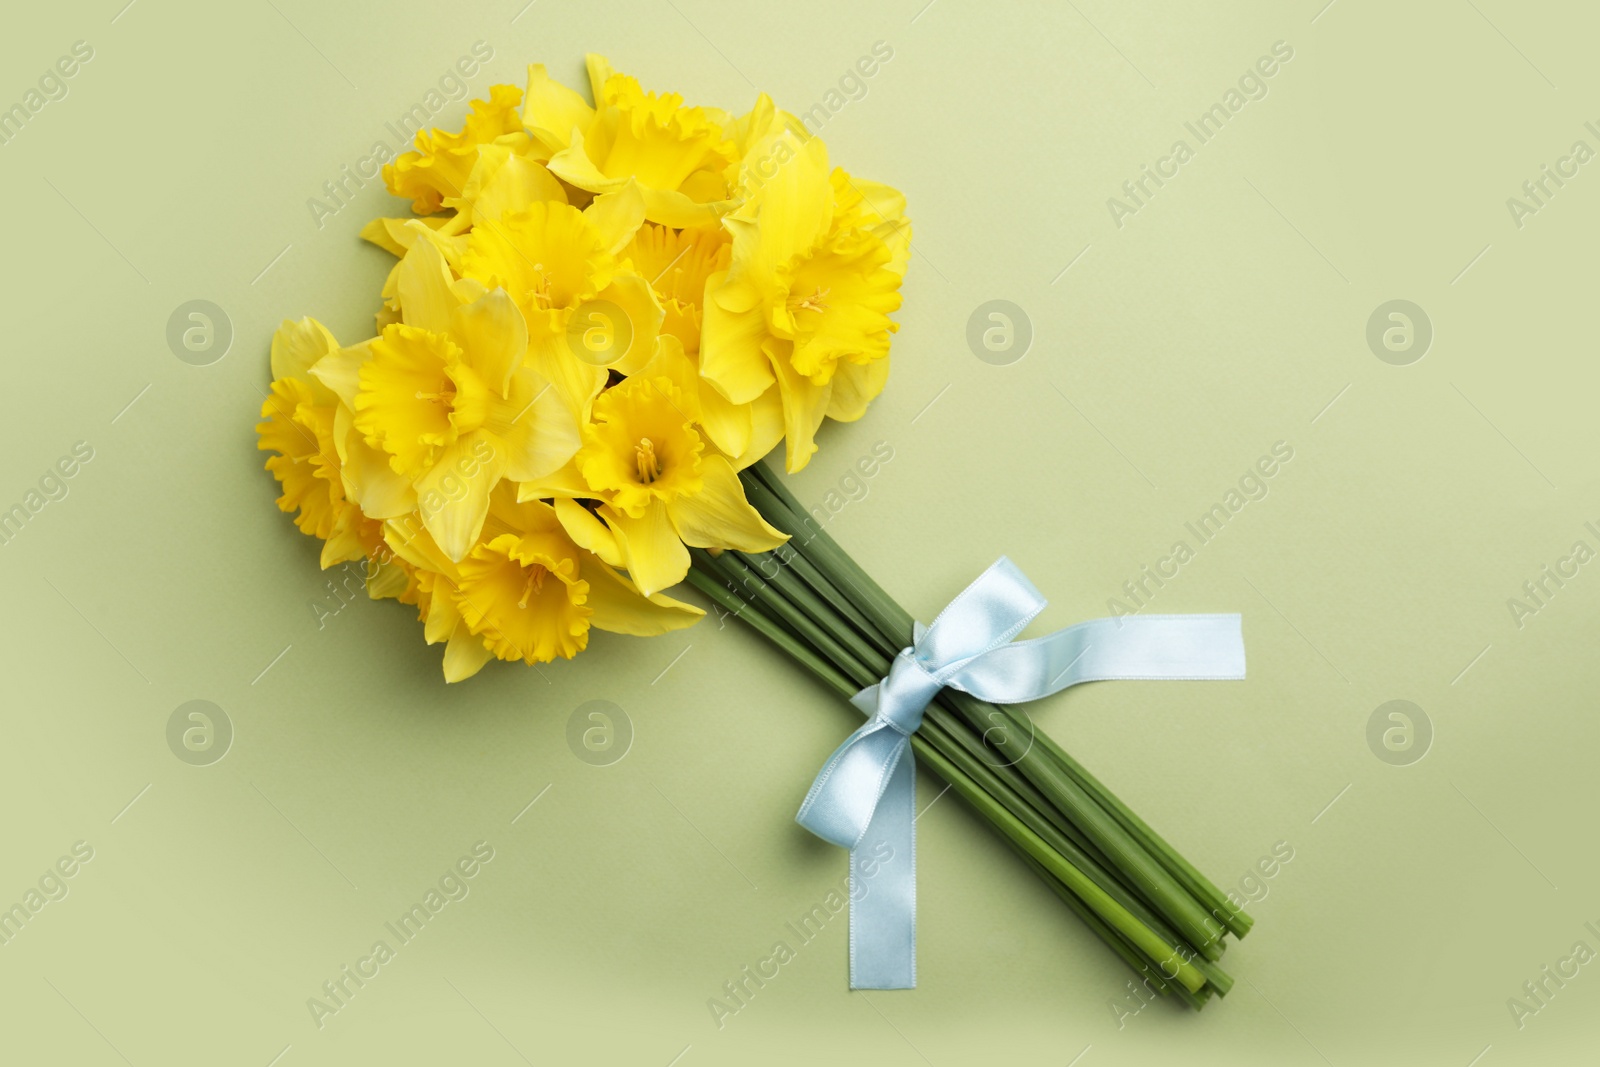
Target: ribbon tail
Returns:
[[1149, 647], [883, 888]]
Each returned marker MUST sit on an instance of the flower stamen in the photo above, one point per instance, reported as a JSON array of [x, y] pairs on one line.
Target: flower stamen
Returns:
[[817, 301], [648, 463], [540, 294], [535, 583]]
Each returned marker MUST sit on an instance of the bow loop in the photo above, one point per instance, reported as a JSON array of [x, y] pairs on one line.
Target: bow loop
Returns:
[[987, 613], [846, 792]]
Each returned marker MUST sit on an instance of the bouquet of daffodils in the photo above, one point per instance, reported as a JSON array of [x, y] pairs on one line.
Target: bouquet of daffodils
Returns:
[[602, 317]]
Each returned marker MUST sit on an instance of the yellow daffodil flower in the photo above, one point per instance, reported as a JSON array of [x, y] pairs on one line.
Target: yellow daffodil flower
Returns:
[[662, 488], [805, 302], [442, 162], [528, 590], [677, 264], [299, 433], [397, 238], [561, 267], [679, 156], [608, 310], [502, 180], [449, 402], [300, 420], [298, 427], [435, 592]]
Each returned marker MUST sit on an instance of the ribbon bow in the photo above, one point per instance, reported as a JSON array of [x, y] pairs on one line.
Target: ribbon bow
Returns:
[[864, 797]]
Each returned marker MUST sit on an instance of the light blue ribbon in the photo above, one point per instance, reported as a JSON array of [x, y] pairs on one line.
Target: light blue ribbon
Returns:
[[864, 798]]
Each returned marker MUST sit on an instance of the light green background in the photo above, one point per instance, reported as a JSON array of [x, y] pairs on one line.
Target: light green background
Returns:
[[1226, 315]]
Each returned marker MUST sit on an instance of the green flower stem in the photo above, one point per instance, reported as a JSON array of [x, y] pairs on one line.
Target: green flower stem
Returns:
[[992, 781], [1120, 945], [1081, 885], [803, 595], [715, 566], [1191, 912], [787, 595], [747, 579], [1117, 943], [1235, 919], [1044, 786], [816, 545], [712, 587], [1153, 880], [778, 512], [968, 774], [1110, 902]]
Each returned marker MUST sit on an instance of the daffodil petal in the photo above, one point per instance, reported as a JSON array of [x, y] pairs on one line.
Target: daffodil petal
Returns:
[[424, 285], [588, 532], [576, 382], [726, 423], [368, 478], [651, 550], [669, 207], [621, 609], [343, 543], [766, 427], [454, 494], [508, 515], [573, 165], [297, 346], [730, 348], [451, 242], [855, 385], [796, 206], [719, 516], [386, 580], [804, 405], [340, 370], [633, 295], [541, 434], [452, 225], [565, 484], [394, 236], [551, 111], [493, 334], [617, 216], [377, 232], [896, 237], [504, 181], [444, 617], [754, 123], [410, 540], [600, 71], [464, 655], [470, 291], [885, 201], [670, 362], [737, 295]]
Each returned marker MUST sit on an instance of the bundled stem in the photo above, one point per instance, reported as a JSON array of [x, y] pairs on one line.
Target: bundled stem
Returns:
[[1129, 885]]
